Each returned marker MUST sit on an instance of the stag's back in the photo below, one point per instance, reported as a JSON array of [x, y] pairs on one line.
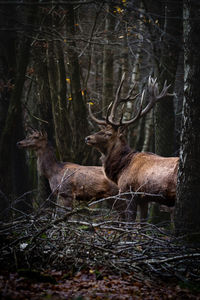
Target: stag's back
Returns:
[[150, 173]]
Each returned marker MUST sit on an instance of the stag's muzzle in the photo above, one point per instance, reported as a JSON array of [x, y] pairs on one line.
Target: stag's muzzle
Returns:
[[87, 139]]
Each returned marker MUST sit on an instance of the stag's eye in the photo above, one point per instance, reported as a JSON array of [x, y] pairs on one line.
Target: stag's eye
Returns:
[[101, 133], [108, 133]]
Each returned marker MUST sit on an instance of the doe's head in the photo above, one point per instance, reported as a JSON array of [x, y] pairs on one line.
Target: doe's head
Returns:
[[36, 140]]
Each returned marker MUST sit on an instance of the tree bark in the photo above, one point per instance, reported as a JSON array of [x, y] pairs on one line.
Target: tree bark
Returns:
[[188, 190], [14, 180], [166, 56], [7, 73], [57, 83], [79, 108], [43, 112], [167, 66]]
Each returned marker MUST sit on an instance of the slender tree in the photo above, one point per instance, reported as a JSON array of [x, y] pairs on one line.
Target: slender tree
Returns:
[[43, 110], [166, 53], [78, 105]]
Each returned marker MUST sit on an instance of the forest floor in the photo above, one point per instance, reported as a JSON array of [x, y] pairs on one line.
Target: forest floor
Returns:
[[88, 284], [94, 256]]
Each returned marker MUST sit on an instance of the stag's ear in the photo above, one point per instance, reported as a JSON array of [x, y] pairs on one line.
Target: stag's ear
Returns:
[[122, 131]]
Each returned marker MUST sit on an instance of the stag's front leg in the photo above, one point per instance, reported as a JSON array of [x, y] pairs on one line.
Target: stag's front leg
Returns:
[[118, 203], [128, 205], [131, 208]]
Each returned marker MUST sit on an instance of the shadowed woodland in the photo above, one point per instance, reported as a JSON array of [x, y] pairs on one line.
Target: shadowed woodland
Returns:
[[69, 224]]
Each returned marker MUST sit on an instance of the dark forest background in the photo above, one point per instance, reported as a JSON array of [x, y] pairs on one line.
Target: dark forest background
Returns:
[[56, 56]]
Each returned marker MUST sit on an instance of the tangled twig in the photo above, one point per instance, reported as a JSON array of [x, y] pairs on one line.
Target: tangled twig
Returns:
[[82, 237]]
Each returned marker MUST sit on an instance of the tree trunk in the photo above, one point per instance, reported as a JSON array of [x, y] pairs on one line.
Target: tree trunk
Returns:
[[44, 113], [166, 60], [57, 83], [187, 211], [167, 66], [79, 124], [14, 179], [7, 73]]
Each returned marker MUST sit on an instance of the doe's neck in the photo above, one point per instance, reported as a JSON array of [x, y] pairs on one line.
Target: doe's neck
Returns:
[[46, 161]]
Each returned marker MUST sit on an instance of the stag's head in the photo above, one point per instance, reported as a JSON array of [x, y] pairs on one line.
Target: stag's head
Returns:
[[104, 139], [35, 140], [111, 132]]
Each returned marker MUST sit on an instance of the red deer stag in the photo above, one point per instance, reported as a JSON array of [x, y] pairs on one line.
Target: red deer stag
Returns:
[[152, 175], [69, 180]]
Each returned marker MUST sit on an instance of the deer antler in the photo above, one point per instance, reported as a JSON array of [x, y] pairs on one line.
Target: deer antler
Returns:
[[154, 96], [116, 101], [113, 106], [100, 122], [119, 100]]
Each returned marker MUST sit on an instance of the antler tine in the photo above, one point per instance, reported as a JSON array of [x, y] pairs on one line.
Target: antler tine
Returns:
[[154, 96], [129, 94], [107, 114], [121, 118], [138, 115], [128, 98], [100, 122], [114, 105], [152, 85], [153, 89], [110, 119], [164, 91]]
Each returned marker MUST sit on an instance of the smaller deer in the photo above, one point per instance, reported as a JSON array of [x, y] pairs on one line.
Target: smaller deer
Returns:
[[153, 175], [70, 181]]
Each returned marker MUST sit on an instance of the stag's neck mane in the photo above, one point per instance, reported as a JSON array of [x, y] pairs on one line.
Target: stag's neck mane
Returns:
[[47, 163], [116, 160]]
